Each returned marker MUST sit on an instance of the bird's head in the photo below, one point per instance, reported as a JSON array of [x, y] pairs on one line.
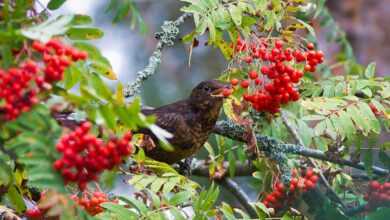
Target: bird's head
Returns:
[[207, 95]]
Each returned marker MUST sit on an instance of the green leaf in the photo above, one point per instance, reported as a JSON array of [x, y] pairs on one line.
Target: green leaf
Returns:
[[168, 187], [46, 30], [370, 70], [5, 173], [72, 76], [236, 13], [157, 184], [177, 214], [232, 164], [368, 160], [81, 19], [100, 87], [120, 211], [55, 4], [84, 33], [227, 211], [140, 206], [180, 198], [308, 27], [16, 199], [108, 115]]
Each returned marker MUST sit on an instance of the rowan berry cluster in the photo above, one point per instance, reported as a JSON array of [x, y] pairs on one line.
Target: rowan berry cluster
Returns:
[[84, 156], [91, 201], [273, 71], [57, 57], [378, 194], [17, 93], [20, 86], [283, 195]]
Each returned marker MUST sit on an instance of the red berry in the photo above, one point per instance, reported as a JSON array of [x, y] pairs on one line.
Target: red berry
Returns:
[[253, 74], [248, 59], [278, 44], [227, 92], [309, 173], [264, 70], [245, 84], [234, 82], [375, 185], [38, 46], [310, 46], [34, 213]]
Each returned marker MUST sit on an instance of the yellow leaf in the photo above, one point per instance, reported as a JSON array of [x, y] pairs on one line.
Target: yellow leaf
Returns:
[[119, 94], [103, 70]]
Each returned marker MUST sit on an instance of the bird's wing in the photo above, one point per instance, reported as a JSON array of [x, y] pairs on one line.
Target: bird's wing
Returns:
[[176, 125]]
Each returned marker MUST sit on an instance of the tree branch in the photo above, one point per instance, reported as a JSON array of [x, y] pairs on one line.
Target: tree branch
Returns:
[[239, 193], [268, 144], [165, 38]]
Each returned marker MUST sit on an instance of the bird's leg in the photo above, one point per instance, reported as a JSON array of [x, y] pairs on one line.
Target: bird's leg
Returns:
[[185, 166]]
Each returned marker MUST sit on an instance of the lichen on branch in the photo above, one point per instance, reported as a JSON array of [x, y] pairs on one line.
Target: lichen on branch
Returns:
[[166, 37]]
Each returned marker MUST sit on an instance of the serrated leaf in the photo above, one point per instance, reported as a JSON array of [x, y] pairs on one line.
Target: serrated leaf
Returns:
[[236, 14], [180, 198], [46, 30], [103, 69], [232, 164], [84, 33], [80, 19], [55, 4], [370, 70], [168, 187], [157, 184], [108, 115], [120, 211], [177, 214], [140, 206], [16, 199]]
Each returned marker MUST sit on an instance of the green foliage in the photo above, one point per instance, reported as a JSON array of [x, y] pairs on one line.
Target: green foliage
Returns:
[[121, 9], [335, 114], [34, 147]]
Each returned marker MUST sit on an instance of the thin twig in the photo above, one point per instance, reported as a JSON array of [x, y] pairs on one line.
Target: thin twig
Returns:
[[299, 140], [240, 194]]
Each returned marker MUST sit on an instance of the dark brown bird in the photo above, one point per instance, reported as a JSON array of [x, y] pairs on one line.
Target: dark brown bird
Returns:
[[190, 121]]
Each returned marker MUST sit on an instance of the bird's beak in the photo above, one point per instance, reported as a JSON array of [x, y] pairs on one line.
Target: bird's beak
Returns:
[[219, 92]]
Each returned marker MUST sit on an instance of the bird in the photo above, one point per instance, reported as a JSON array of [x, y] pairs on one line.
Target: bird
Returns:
[[190, 121]]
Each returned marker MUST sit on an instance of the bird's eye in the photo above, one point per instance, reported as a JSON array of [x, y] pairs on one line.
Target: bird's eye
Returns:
[[207, 89]]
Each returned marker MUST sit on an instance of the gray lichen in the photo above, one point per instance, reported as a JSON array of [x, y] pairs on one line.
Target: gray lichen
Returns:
[[166, 37]]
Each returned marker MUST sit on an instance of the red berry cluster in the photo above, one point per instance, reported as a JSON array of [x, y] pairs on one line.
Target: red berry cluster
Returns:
[[273, 72], [17, 90], [57, 57], [34, 213], [281, 195], [84, 156], [19, 87], [91, 201], [378, 194]]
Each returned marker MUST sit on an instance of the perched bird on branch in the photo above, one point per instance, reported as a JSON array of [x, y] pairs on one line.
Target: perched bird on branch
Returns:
[[190, 121]]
